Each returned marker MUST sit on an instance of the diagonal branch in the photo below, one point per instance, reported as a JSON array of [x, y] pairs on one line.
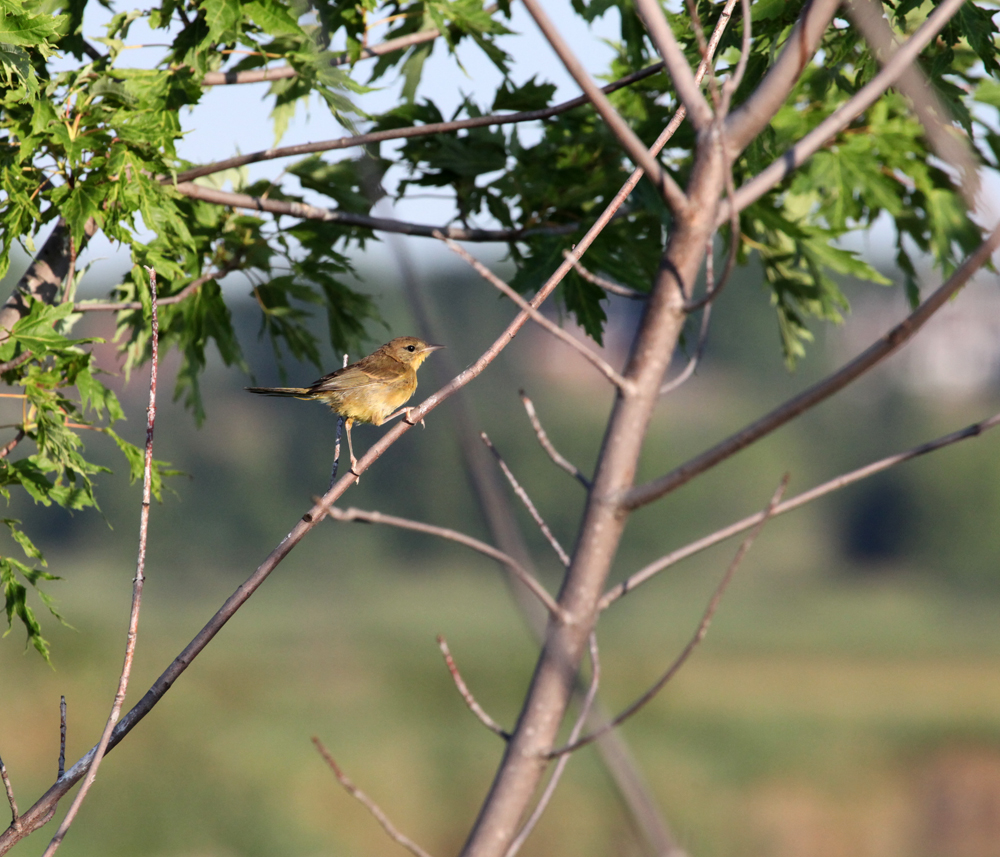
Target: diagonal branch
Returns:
[[594, 359], [369, 804], [524, 498], [606, 284], [546, 444], [409, 131], [699, 634], [640, 495], [837, 121], [466, 694], [951, 145], [522, 573], [821, 490], [754, 114], [684, 81], [15, 821], [634, 147], [137, 586]]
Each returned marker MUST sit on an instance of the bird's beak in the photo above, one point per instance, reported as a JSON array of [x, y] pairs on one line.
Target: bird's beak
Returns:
[[432, 347]]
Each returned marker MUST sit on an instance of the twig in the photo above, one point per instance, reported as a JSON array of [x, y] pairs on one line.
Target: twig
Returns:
[[368, 803], [408, 132], [8, 447], [692, 364], [62, 737], [369, 517], [736, 78], [550, 786], [543, 439], [634, 147], [699, 634], [183, 294], [21, 358], [892, 341], [528, 504], [820, 490], [15, 818], [137, 585], [837, 121], [466, 694], [603, 283], [596, 360]]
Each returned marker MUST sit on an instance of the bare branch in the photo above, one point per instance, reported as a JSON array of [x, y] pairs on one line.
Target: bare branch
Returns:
[[312, 212], [640, 495], [692, 364], [15, 818], [837, 121], [543, 439], [466, 694], [753, 115], [635, 148], [594, 359], [821, 490], [948, 141], [677, 66], [550, 786], [369, 804], [259, 75], [603, 283], [409, 131], [523, 496], [352, 514], [137, 586], [62, 737], [192, 287], [699, 634], [8, 447], [736, 78]]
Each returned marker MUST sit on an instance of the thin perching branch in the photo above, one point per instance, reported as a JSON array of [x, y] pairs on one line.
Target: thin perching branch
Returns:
[[528, 504], [594, 359], [699, 634], [369, 804], [640, 495], [15, 817], [821, 490], [137, 585], [466, 694], [543, 439], [550, 786], [371, 517], [604, 283]]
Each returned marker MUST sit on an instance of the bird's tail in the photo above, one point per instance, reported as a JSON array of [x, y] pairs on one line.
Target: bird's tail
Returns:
[[280, 391]]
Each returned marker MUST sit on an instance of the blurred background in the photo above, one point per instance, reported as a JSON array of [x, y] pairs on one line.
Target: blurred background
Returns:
[[845, 701]]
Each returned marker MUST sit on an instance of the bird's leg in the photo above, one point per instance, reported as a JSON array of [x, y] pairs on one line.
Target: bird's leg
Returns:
[[405, 414], [350, 450]]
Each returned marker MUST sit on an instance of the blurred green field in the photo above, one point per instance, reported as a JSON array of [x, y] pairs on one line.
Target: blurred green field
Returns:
[[845, 702]]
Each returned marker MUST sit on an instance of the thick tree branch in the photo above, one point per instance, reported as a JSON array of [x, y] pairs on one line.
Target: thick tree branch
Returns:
[[634, 147], [369, 804], [837, 121], [429, 129], [892, 341], [828, 487], [699, 634]]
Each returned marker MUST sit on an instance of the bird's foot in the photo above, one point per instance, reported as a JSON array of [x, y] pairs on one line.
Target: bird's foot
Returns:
[[354, 470], [408, 418]]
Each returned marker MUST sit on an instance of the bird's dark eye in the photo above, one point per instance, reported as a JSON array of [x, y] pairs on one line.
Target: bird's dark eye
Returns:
[[411, 347]]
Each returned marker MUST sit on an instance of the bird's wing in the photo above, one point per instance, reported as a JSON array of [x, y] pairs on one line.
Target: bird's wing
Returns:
[[356, 377]]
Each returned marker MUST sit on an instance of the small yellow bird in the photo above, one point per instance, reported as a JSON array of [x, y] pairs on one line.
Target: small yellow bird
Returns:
[[372, 390]]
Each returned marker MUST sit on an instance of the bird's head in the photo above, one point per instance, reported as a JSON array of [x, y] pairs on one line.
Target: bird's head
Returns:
[[409, 350]]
